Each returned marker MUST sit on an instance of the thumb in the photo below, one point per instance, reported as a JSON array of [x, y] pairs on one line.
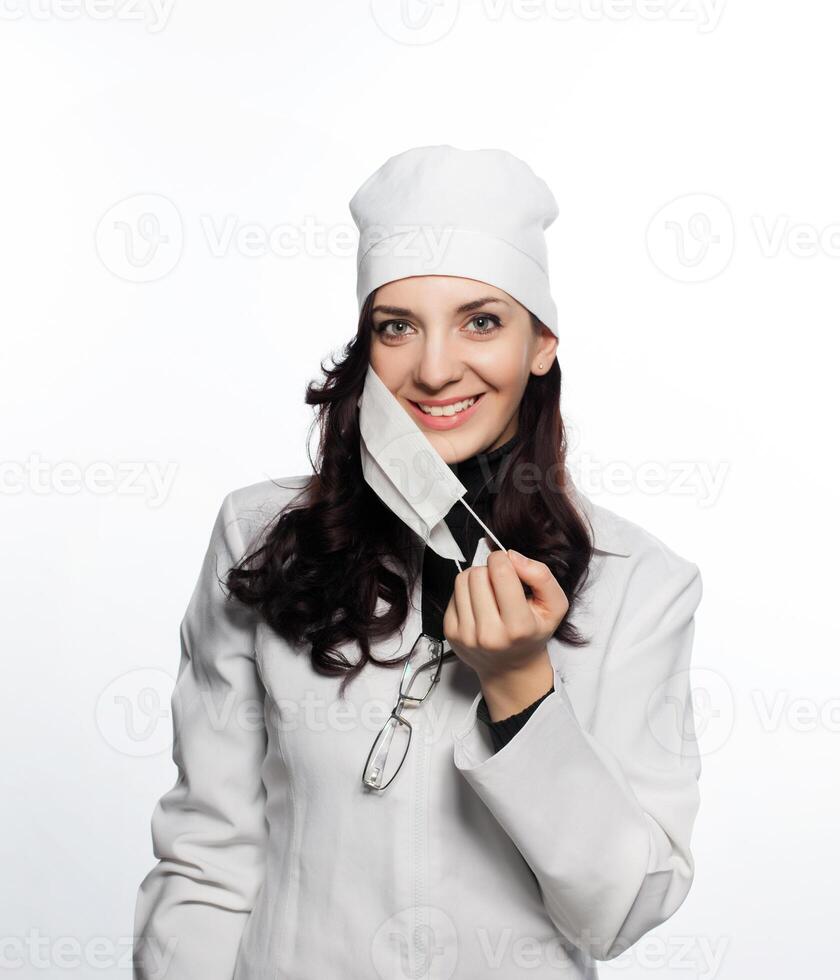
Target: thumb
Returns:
[[527, 569], [545, 588]]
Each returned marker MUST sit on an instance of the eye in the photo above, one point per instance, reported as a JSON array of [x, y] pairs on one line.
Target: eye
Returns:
[[381, 328], [485, 323], [490, 325]]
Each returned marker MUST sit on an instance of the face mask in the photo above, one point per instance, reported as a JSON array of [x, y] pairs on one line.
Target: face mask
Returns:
[[405, 470]]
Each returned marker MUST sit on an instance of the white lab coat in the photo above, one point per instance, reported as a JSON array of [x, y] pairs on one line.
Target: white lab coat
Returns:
[[564, 847]]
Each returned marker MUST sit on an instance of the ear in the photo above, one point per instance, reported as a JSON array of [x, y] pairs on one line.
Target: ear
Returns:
[[545, 352]]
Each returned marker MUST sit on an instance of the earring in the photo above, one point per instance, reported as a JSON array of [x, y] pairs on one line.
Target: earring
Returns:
[[540, 365]]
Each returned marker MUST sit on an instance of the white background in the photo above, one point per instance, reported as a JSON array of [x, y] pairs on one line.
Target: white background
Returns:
[[699, 339]]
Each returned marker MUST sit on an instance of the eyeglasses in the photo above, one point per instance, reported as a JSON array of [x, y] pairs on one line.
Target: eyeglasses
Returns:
[[420, 674]]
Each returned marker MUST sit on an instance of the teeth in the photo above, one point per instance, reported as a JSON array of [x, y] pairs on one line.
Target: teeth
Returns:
[[448, 409]]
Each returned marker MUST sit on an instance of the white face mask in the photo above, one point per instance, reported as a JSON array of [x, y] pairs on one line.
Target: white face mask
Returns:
[[406, 471]]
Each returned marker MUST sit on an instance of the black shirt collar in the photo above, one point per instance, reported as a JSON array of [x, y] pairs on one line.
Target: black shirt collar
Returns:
[[478, 469]]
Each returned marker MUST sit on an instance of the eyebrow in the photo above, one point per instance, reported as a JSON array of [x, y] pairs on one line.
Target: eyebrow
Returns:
[[474, 304]]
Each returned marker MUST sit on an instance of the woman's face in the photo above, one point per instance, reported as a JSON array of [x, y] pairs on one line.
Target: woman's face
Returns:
[[444, 339]]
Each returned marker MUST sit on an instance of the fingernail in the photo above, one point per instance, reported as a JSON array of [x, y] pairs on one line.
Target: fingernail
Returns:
[[515, 554]]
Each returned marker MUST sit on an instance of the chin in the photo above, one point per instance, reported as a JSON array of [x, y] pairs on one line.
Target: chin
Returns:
[[453, 447]]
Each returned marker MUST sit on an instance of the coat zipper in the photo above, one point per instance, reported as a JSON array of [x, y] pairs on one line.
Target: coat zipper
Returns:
[[421, 930]]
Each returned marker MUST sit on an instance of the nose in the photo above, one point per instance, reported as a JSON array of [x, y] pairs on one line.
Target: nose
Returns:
[[439, 363]]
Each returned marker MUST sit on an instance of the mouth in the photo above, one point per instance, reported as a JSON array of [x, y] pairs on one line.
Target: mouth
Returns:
[[446, 416], [453, 408]]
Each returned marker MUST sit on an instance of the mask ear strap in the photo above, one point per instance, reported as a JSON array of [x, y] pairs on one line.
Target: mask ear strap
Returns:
[[486, 528]]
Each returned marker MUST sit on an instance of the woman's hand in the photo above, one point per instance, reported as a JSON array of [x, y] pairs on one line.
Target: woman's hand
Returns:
[[493, 626]]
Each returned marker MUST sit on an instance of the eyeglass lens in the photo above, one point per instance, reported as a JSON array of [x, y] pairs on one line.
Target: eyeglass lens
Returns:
[[388, 752], [421, 669]]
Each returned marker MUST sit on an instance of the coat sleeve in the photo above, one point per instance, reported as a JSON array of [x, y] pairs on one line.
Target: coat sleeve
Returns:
[[503, 730], [604, 816], [209, 830]]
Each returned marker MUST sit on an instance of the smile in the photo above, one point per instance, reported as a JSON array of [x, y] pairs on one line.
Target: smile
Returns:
[[452, 409], [446, 416]]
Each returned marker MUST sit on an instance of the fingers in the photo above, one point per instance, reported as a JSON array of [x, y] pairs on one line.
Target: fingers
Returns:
[[547, 594], [463, 608], [450, 620], [488, 619], [489, 608], [510, 596]]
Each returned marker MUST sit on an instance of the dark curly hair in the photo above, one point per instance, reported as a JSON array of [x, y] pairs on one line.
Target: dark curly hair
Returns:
[[321, 569]]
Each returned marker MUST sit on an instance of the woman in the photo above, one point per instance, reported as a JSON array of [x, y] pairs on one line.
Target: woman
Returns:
[[389, 765]]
